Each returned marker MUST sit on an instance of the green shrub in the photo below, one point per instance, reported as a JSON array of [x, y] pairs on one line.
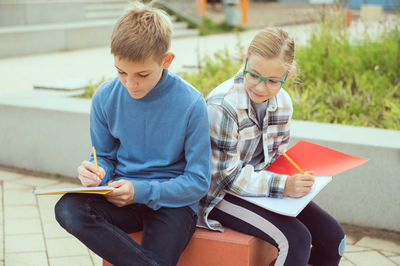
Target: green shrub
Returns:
[[339, 81], [348, 82], [213, 71]]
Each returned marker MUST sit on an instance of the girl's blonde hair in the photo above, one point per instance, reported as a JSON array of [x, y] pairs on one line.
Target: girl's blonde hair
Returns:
[[142, 32], [272, 43]]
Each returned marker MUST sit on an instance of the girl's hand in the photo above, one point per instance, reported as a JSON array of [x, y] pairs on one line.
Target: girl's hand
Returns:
[[89, 175], [123, 193], [298, 185]]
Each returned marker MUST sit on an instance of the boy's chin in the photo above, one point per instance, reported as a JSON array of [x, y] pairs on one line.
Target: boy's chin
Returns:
[[139, 94]]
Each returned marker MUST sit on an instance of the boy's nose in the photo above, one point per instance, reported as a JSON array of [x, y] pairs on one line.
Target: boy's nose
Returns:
[[131, 84]]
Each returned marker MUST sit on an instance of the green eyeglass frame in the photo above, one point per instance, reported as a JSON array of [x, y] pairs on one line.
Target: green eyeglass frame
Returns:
[[261, 79]]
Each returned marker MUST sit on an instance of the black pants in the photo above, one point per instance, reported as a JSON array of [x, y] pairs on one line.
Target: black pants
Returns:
[[104, 227], [312, 237]]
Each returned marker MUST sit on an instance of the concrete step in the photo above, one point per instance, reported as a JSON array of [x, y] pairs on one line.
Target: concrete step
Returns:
[[105, 10], [34, 39], [103, 14]]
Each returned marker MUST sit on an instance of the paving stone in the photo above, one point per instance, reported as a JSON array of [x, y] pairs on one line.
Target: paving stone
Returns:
[[22, 226], [350, 240], [24, 243], [1, 247], [352, 248], [395, 259], [36, 181], [390, 254], [369, 258], [19, 197], [97, 261], [12, 212], [26, 259], [8, 185], [47, 201], [381, 244], [63, 185], [61, 247], [68, 261], [344, 262], [47, 215], [54, 230], [5, 175]]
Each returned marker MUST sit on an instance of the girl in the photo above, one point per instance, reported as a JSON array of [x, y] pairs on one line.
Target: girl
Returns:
[[249, 124]]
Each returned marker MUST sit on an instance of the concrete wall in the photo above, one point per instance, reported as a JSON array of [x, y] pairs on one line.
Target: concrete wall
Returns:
[[367, 195], [42, 131], [48, 132], [40, 12], [17, 41]]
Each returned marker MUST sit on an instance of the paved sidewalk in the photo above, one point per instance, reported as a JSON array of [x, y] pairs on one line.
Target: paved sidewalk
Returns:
[[30, 234]]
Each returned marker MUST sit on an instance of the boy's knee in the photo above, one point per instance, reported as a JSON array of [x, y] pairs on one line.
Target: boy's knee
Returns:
[[64, 212]]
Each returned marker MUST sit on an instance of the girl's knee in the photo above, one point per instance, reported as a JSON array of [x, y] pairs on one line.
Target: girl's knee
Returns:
[[301, 240], [338, 240], [342, 246]]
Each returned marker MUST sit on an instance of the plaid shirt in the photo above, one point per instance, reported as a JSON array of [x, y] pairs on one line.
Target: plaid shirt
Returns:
[[235, 134]]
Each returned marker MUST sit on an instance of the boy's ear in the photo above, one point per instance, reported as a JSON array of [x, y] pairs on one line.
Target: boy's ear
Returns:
[[291, 73], [169, 57]]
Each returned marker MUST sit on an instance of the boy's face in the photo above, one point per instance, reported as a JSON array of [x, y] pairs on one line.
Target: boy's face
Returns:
[[139, 78], [266, 68]]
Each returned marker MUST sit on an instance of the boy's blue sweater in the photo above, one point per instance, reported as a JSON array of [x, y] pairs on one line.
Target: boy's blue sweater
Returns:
[[160, 142]]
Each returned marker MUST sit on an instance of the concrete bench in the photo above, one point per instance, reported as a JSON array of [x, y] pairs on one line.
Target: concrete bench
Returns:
[[231, 248]]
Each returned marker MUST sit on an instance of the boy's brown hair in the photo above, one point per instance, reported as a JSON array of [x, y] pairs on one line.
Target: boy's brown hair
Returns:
[[271, 43], [142, 32]]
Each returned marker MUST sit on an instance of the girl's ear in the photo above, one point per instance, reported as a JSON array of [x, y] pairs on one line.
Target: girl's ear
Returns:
[[169, 57], [244, 59], [291, 73]]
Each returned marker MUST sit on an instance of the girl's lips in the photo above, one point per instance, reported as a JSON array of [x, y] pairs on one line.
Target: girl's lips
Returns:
[[257, 95]]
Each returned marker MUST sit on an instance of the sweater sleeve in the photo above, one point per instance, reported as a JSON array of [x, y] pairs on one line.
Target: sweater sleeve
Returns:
[[188, 188], [106, 145]]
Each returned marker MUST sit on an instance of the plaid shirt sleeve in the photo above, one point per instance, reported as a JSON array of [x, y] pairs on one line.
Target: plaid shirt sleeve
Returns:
[[227, 169]]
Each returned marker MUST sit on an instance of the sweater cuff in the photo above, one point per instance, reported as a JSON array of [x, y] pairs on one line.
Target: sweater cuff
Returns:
[[277, 186], [142, 190]]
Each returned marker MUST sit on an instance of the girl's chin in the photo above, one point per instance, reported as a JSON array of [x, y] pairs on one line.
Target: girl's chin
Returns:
[[258, 98]]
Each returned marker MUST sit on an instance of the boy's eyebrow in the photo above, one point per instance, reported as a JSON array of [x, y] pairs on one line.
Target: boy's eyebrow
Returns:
[[135, 73]]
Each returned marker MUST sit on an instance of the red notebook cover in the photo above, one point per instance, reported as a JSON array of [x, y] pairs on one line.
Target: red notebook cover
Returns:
[[309, 156]]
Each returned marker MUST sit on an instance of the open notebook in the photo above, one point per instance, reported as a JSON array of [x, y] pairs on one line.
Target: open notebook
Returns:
[[92, 190], [308, 156], [288, 206]]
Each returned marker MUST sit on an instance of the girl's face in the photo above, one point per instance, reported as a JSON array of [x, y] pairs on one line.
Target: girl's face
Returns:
[[267, 68]]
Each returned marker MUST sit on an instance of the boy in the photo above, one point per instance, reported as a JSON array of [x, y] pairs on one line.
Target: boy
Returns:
[[150, 129]]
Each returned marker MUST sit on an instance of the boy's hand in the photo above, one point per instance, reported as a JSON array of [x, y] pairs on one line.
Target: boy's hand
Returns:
[[123, 193], [89, 174], [298, 185]]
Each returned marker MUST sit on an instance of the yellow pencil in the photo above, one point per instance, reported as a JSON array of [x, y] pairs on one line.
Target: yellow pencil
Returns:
[[95, 160], [293, 163]]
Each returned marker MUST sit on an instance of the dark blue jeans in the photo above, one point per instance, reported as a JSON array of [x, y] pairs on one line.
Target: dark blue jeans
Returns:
[[104, 228]]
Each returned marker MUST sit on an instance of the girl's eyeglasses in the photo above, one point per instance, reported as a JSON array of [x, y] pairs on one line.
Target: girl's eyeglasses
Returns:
[[255, 79]]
